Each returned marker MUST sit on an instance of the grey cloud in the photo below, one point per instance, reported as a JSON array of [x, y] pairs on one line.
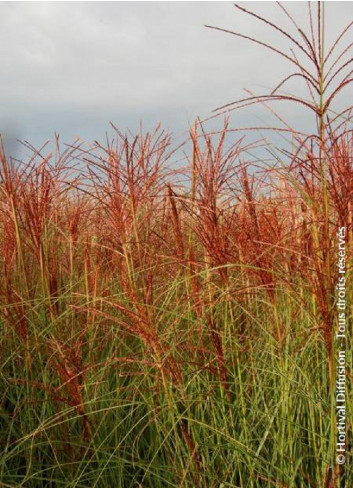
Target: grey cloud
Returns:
[[72, 67]]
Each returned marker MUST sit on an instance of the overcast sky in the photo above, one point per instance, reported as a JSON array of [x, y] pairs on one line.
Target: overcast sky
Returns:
[[71, 67]]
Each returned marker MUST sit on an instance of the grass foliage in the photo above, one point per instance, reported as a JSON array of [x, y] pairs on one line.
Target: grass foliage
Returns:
[[173, 326]]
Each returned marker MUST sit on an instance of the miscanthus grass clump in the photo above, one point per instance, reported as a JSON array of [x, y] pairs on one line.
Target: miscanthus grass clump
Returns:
[[172, 325]]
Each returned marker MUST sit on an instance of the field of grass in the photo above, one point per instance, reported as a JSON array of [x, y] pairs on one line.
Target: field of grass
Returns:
[[170, 325]]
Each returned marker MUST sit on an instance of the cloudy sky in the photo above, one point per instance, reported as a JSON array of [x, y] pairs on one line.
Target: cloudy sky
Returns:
[[71, 67]]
